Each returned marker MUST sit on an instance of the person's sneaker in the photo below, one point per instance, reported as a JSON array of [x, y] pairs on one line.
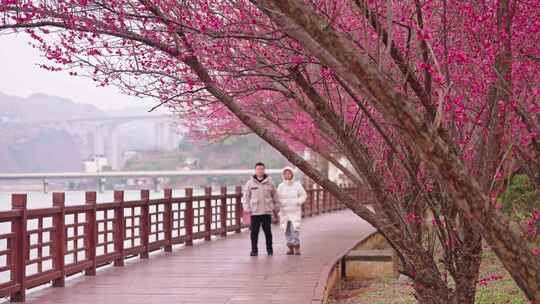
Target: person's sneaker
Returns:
[[253, 253], [270, 252]]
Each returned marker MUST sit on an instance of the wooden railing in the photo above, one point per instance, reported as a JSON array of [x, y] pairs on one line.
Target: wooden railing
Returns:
[[41, 246]]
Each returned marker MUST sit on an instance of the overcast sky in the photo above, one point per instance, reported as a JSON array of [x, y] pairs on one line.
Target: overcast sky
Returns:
[[20, 76]]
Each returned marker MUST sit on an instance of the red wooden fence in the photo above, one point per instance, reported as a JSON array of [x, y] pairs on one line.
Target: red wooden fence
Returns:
[[46, 245]]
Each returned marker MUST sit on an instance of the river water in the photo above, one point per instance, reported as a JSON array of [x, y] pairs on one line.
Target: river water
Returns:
[[44, 200]]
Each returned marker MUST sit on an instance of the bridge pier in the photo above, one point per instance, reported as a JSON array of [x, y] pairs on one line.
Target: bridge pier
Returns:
[[111, 146], [45, 186], [99, 145], [158, 129], [166, 138], [156, 184], [101, 185]]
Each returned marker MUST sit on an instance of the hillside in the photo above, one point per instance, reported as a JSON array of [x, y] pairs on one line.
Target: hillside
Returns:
[[44, 107], [38, 150], [24, 148]]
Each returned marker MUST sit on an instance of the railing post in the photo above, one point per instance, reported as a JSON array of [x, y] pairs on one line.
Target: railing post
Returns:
[[314, 210], [207, 214], [224, 212], [318, 200], [327, 197], [323, 194], [119, 228], [321, 200], [330, 205], [59, 199], [238, 210], [145, 223], [340, 202], [315, 199], [167, 219], [91, 232], [330, 201], [306, 203], [354, 192], [189, 217], [311, 198], [359, 193], [18, 227]]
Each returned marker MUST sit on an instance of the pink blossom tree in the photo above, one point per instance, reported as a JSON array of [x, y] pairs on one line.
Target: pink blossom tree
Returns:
[[432, 102]]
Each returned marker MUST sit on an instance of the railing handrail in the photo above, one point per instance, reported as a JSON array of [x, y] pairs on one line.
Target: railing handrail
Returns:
[[92, 230]]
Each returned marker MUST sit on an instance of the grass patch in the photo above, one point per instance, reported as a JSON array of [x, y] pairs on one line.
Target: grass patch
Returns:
[[495, 287], [503, 290]]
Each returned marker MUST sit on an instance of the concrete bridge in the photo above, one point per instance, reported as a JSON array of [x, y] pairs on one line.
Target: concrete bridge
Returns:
[[99, 135], [191, 249]]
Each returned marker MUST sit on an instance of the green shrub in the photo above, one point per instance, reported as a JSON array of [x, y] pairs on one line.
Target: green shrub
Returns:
[[520, 198]]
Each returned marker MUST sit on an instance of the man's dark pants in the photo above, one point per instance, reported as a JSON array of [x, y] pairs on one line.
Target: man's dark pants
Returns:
[[264, 220]]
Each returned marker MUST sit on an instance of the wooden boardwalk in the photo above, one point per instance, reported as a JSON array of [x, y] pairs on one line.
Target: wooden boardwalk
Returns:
[[221, 271]]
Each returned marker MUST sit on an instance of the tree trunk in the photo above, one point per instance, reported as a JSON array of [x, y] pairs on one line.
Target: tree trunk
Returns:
[[468, 265], [298, 20]]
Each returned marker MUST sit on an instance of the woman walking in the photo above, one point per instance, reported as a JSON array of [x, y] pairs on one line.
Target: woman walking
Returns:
[[292, 195]]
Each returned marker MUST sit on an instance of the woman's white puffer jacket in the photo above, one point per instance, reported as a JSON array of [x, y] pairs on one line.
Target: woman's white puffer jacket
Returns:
[[291, 195]]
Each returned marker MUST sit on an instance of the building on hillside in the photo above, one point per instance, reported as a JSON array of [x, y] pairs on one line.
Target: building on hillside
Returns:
[[191, 163], [95, 164]]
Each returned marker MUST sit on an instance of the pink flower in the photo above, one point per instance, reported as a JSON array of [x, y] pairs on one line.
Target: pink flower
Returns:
[[297, 59]]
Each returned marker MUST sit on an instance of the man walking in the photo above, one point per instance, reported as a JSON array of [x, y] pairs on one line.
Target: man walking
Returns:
[[260, 201]]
